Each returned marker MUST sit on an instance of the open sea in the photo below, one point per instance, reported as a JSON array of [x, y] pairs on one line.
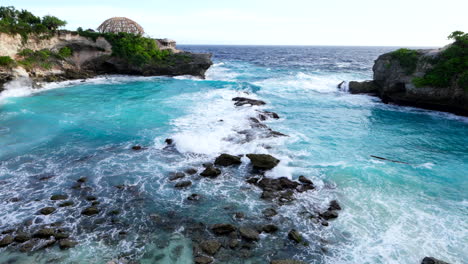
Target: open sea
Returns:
[[391, 212]]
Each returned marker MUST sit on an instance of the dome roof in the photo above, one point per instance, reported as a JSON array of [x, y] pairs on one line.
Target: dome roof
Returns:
[[120, 24]]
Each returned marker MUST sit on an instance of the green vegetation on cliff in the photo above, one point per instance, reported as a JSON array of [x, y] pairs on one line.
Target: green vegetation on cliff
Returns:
[[450, 66], [6, 61], [407, 58], [43, 58], [135, 49], [25, 23]]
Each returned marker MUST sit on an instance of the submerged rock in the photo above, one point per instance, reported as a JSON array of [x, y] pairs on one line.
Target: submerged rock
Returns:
[[227, 160], [67, 243], [211, 172], [57, 197], [191, 171], [431, 260], [269, 212], [92, 210], [22, 237], [223, 229], [210, 246], [240, 101], [6, 240], [202, 260], [295, 236], [263, 161], [47, 210], [66, 203], [194, 197], [327, 215], [137, 147], [44, 233], [183, 184], [176, 176], [249, 234], [270, 228]]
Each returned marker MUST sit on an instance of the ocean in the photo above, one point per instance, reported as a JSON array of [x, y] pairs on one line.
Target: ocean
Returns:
[[391, 212]]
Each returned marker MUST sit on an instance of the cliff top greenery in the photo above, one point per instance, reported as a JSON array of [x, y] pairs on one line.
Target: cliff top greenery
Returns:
[[23, 22], [451, 66]]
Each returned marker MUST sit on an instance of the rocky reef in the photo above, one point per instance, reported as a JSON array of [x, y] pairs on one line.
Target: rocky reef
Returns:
[[426, 78], [68, 55]]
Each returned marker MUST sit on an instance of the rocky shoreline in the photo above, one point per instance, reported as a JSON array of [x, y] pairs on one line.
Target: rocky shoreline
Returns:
[[394, 82], [90, 58]]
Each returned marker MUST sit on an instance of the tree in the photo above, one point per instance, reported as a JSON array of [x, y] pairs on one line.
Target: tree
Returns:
[[53, 23]]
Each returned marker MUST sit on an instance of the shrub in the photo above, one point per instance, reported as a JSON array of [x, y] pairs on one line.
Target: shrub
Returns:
[[42, 58], [65, 52], [407, 58], [449, 66], [23, 22], [6, 61]]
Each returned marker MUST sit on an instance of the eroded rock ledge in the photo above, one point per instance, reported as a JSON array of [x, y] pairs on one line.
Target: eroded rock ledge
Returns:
[[89, 58], [395, 81]]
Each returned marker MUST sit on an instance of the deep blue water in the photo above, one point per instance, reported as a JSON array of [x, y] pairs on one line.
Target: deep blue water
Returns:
[[392, 212]]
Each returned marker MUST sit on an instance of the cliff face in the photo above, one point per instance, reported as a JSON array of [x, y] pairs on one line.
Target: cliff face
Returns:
[[394, 82], [89, 58]]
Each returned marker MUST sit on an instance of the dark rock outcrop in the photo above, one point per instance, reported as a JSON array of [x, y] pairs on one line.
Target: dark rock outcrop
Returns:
[[223, 229], [394, 83], [240, 101], [227, 160], [263, 161], [431, 260], [211, 172], [249, 234], [210, 246]]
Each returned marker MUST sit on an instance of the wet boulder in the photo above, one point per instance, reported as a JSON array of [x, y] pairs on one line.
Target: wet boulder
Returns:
[[176, 176], [202, 260], [249, 234], [269, 212], [137, 148], [57, 197], [67, 243], [210, 246], [44, 233], [295, 236], [327, 215], [66, 204], [90, 211], [269, 114], [263, 161], [169, 141], [334, 205], [22, 237], [190, 171], [304, 180], [183, 184], [270, 228], [227, 160], [211, 172], [194, 197], [278, 184], [240, 101], [47, 210], [223, 229], [431, 260], [6, 240]]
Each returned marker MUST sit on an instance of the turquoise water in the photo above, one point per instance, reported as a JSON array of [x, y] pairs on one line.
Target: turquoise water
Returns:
[[392, 212]]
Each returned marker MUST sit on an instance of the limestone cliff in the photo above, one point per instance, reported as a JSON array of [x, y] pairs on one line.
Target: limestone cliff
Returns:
[[90, 57], [395, 78]]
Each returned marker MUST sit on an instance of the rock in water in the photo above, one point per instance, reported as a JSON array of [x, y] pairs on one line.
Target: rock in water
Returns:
[[90, 211], [210, 246], [223, 229], [67, 243], [295, 236], [22, 237], [334, 205], [44, 233], [304, 180], [183, 184], [269, 212], [431, 260], [6, 240], [176, 176], [270, 228], [249, 234], [47, 210], [227, 160], [240, 101], [211, 172], [263, 161], [362, 87], [202, 260], [57, 197]]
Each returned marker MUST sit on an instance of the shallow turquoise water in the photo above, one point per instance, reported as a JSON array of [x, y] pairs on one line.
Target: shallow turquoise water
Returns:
[[392, 212]]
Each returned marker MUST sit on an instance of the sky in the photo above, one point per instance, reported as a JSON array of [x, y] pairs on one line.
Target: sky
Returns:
[[272, 22]]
